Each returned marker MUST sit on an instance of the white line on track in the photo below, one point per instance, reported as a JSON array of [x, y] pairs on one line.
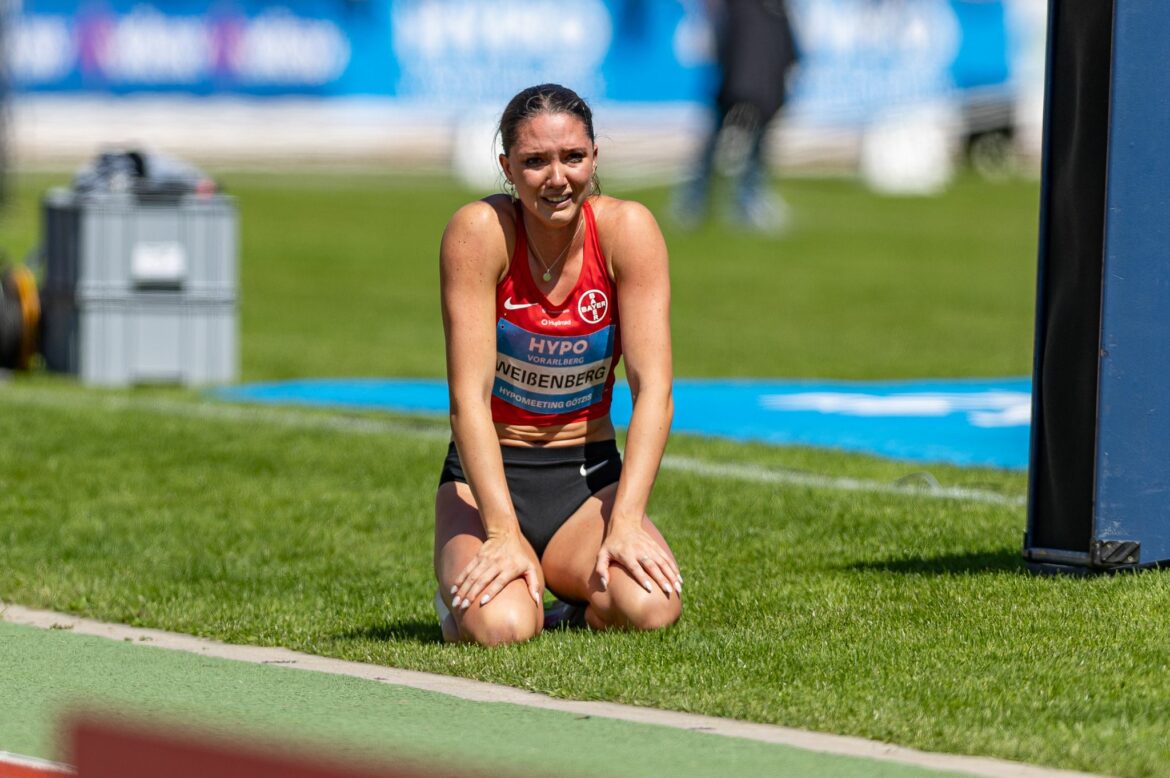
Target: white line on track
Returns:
[[479, 691], [793, 478], [284, 416], [15, 764]]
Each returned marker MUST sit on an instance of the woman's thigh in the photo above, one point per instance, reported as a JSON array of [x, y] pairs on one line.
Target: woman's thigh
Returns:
[[569, 565], [459, 533]]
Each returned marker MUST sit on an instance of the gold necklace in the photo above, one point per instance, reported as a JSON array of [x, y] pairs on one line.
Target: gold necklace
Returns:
[[548, 269]]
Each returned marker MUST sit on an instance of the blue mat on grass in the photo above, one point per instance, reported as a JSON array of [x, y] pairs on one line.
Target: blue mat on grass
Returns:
[[965, 422]]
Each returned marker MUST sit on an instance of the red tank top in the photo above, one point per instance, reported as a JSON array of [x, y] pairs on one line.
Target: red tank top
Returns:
[[555, 363]]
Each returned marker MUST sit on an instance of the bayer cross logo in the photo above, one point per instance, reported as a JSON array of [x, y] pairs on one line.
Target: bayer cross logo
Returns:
[[593, 305]]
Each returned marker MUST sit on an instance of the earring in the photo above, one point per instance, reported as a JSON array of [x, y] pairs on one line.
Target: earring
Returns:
[[509, 189]]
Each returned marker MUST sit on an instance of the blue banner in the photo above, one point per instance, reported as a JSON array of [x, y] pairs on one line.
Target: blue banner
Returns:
[[857, 54], [862, 56], [974, 422]]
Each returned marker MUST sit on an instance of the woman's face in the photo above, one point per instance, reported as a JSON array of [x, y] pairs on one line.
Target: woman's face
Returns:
[[551, 164]]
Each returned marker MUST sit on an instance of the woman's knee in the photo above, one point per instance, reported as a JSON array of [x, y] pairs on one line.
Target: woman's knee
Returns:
[[498, 630], [654, 613], [500, 622], [627, 605]]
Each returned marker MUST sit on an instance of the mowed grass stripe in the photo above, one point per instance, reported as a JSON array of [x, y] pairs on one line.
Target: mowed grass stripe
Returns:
[[339, 277], [288, 416]]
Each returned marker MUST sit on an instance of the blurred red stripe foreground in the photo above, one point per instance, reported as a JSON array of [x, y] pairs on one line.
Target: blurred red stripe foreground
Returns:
[[105, 749]]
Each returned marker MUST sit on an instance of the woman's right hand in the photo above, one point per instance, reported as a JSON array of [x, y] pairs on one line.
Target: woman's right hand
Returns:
[[500, 560]]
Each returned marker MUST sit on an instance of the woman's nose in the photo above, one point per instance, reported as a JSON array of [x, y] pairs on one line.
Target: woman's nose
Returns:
[[556, 174]]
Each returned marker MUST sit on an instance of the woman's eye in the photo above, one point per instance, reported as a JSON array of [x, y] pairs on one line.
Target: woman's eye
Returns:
[[533, 161]]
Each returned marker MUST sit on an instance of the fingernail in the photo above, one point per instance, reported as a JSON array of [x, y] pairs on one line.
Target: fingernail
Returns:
[[649, 588], [604, 584], [678, 585], [483, 600], [454, 589], [466, 604], [668, 589]]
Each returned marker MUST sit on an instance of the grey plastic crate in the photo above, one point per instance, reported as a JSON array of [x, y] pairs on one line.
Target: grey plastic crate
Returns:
[[113, 243], [155, 337], [140, 289]]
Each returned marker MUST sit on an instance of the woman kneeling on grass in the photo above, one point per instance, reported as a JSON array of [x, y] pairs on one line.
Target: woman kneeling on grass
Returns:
[[542, 292]]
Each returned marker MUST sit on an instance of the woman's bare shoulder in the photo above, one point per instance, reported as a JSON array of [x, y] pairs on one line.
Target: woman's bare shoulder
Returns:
[[493, 213], [619, 221], [481, 230]]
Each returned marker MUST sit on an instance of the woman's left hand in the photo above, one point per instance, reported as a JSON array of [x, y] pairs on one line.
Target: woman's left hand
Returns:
[[647, 562]]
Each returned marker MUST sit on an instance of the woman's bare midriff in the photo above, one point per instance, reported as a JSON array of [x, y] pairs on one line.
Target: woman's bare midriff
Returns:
[[577, 433]]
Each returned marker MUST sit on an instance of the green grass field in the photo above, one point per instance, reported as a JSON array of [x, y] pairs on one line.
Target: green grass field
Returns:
[[894, 616], [339, 277]]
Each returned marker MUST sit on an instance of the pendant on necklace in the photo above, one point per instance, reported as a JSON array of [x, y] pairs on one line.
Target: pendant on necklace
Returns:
[[547, 275]]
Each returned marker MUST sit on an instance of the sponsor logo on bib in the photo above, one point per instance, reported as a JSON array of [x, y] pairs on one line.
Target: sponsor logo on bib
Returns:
[[511, 306], [593, 306]]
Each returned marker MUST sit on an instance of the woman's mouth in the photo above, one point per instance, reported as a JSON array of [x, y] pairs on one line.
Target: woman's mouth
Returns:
[[557, 199]]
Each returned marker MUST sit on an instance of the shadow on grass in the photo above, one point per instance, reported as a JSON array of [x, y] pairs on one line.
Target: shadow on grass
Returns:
[[1008, 560], [402, 631]]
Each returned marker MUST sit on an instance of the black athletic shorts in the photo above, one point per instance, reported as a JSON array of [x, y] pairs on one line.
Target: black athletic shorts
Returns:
[[548, 485]]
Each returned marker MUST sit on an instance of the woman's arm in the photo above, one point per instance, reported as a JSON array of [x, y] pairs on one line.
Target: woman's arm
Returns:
[[640, 266], [472, 259]]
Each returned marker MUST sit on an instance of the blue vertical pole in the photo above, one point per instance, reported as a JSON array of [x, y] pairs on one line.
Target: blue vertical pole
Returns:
[[1132, 501], [1099, 487]]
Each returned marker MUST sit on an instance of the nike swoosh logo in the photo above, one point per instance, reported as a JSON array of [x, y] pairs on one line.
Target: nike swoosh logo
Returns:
[[511, 306], [586, 473]]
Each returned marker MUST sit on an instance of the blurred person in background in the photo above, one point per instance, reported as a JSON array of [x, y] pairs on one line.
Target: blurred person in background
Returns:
[[543, 291], [755, 51]]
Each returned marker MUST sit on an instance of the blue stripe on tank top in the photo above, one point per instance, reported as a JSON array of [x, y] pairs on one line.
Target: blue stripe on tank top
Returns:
[[538, 402], [548, 350]]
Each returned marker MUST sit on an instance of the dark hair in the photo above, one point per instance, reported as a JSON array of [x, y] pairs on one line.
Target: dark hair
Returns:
[[543, 98]]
